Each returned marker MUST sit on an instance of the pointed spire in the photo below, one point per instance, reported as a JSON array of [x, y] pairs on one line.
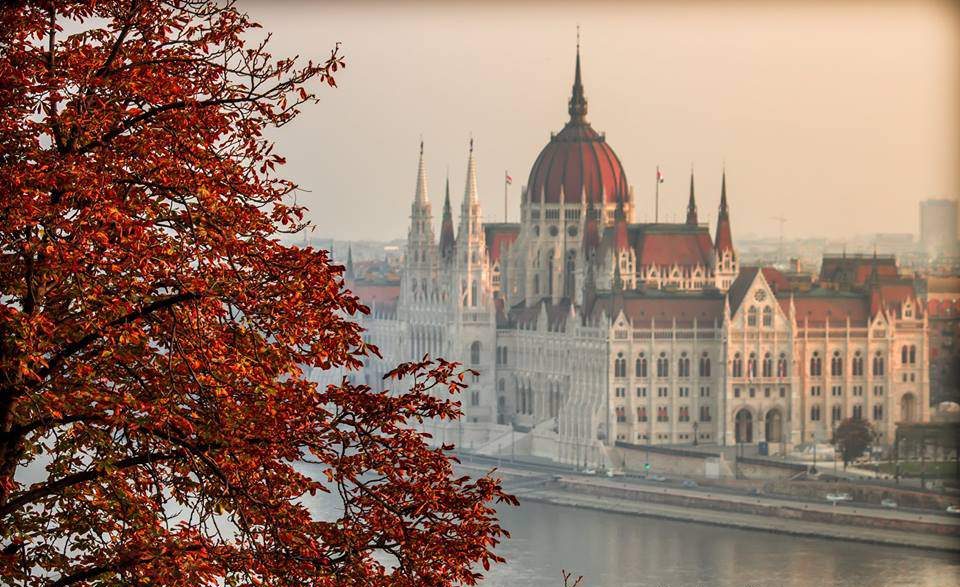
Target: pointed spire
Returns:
[[447, 240], [578, 102], [617, 278], [349, 274], [421, 195], [724, 239], [874, 280], [692, 203], [470, 190]]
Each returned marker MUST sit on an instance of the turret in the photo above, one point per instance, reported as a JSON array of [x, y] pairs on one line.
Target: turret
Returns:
[[725, 257], [691, 204], [447, 239]]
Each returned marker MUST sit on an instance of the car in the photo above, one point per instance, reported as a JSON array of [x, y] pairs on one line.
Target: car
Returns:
[[659, 478], [837, 497], [690, 483], [953, 509], [589, 472], [889, 503]]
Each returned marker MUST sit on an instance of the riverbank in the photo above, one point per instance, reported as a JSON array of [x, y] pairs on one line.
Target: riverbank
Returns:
[[706, 506]]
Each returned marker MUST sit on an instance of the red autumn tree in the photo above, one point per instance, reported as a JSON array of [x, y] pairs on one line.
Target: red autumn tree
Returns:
[[153, 328]]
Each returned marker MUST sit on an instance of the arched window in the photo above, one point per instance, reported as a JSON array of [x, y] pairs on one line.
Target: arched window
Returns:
[[878, 364], [620, 366], [641, 366], [913, 354], [473, 293], [663, 366], [782, 365], [737, 366], [857, 364], [768, 316], [816, 367], [836, 364], [752, 316], [904, 355], [641, 414], [475, 353], [767, 365], [683, 365], [705, 365], [752, 365]]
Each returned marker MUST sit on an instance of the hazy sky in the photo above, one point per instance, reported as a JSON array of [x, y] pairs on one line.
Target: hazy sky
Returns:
[[838, 117]]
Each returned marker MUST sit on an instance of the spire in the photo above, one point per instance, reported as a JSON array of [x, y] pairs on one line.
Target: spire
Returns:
[[446, 226], [874, 280], [692, 204], [724, 240], [578, 102], [349, 274], [421, 195], [470, 191], [621, 238]]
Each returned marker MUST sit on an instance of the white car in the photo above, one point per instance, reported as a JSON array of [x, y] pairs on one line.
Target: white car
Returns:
[[835, 497], [660, 478], [953, 509], [889, 503]]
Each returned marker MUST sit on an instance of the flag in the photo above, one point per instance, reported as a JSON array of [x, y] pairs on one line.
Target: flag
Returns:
[[507, 177], [659, 175]]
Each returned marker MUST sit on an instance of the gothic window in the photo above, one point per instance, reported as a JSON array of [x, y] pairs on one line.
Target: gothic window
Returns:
[[768, 316], [858, 412], [473, 293], [767, 365], [752, 316], [782, 365], [536, 284], [815, 413], [620, 366], [878, 364], [816, 367], [857, 364], [474, 398], [913, 354], [683, 365], [752, 365], [878, 412], [663, 366], [684, 414], [836, 414], [737, 365], [836, 365], [621, 414], [704, 413], [641, 366], [904, 355], [705, 365], [641, 414], [475, 353]]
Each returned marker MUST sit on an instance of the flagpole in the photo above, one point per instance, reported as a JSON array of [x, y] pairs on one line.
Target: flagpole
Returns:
[[505, 175], [656, 207]]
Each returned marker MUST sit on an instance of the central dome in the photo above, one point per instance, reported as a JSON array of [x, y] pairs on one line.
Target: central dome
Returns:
[[577, 162]]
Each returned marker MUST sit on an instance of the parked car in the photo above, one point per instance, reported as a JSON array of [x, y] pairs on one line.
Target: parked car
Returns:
[[889, 503], [659, 478], [835, 497], [953, 509], [690, 483]]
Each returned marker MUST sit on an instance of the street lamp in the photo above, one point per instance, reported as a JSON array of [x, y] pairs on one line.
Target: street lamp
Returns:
[[696, 426]]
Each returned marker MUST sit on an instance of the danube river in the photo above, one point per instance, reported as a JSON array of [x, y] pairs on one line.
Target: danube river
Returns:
[[616, 550]]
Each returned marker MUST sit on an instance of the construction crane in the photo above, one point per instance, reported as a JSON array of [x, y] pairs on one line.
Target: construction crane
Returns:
[[781, 220]]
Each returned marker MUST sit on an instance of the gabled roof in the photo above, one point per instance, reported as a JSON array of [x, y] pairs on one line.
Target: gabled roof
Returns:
[[644, 307], [740, 286], [497, 236], [680, 247], [856, 269]]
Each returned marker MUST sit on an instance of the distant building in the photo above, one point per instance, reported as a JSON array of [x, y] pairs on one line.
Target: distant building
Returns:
[[938, 227], [589, 329]]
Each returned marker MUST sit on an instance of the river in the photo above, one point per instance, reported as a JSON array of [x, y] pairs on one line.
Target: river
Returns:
[[616, 550]]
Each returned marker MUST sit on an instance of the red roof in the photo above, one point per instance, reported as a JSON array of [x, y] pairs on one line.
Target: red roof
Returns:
[[579, 160], [684, 249], [641, 310], [857, 268], [498, 236], [375, 292], [836, 309], [777, 280]]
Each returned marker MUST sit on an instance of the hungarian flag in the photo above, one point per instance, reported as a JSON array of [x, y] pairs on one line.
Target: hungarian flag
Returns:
[[509, 180], [659, 175]]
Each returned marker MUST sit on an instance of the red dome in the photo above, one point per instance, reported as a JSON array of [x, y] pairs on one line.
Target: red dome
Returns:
[[580, 160]]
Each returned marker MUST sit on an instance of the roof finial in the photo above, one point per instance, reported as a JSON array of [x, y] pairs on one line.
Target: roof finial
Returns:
[[578, 102], [421, 145], [471, 143]]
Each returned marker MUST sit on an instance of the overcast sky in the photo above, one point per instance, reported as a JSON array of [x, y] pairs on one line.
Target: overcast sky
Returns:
[[840, 118]]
